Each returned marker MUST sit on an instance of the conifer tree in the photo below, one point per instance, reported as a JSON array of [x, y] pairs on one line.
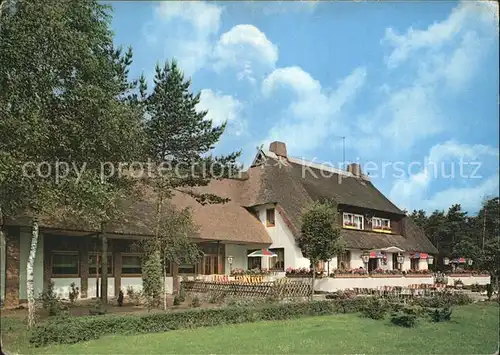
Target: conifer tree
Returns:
[[180, 136]]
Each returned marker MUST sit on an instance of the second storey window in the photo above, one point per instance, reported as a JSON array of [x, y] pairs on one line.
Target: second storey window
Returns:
[[381, 223], [270, 217], [352, 220]]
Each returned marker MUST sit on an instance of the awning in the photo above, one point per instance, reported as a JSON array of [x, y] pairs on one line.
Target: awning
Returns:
[[458, 261], [261, 253], [393, 250], [376, 255], [419, 256]]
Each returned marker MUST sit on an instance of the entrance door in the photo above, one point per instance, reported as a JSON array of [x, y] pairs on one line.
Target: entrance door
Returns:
[[395, 265], [372, 264], [210, 264]]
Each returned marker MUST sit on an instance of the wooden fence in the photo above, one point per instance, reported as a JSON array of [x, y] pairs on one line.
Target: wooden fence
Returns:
[[280, 289]]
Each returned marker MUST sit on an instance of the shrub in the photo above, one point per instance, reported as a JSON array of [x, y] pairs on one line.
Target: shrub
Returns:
[[489, 291], [74, 293], [182, 293], [443, 299], [403, 319], [195, 302], [177, 301], [50, 301], [120, 298], [375, 308], [441, 314], [215, 298], [76, 329], [345, 294], [134, 296], [98, 308]]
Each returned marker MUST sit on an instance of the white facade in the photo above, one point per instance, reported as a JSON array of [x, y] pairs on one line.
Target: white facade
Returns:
[[282, 237]]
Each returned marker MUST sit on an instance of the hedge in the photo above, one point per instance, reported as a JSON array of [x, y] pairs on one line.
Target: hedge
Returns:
[[69, 330]]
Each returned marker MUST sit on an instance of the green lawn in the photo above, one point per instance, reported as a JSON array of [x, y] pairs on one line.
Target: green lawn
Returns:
[[473, 330]]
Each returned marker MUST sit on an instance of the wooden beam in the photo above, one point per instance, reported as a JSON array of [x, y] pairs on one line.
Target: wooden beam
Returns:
[[104, 268]]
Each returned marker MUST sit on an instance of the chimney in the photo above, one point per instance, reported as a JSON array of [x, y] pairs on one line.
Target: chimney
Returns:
[[278, 148], [354, 169]]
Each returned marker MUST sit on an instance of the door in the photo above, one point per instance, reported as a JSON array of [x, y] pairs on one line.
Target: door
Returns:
[[395, 265], [210, 264], [372, 264]]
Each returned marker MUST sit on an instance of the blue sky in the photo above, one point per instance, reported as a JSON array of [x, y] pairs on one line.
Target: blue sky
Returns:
[[409, 84]]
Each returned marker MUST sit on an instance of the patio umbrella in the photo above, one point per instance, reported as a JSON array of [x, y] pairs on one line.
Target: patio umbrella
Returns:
[[261, 253]]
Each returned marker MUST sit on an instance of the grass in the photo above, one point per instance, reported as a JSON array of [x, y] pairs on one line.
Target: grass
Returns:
[[473, 330]]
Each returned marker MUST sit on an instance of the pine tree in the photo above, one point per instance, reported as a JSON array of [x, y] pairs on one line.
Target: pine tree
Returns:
[[182, 137]]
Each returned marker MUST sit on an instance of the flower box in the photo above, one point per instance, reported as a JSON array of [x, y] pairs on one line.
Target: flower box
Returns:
[[350, 227], [460, 275], [418, 275], [482, 275], [381, 276], [350, 276], [382, 230]]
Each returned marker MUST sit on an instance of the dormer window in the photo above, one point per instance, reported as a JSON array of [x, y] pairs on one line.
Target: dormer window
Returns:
[[353, 221], [381, 224], [270, 217]]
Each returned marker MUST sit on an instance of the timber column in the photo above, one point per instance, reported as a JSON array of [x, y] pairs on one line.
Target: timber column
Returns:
[[12, 266], [104, 271]]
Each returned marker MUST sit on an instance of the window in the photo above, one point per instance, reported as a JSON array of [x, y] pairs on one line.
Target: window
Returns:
[[168, 266], [270, 217], [381, 223], [353, 221], [414, 263], [187, 269], [278, 262], [65, 263], [344, 260], [93, 261], [253, 262], [131, 264]]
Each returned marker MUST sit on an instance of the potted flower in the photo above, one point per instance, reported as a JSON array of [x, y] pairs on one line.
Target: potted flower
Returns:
[[458, 284], [459, 272]]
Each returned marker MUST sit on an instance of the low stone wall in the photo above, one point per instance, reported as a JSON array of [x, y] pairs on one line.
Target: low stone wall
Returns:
[[330, 284], [469, 279]]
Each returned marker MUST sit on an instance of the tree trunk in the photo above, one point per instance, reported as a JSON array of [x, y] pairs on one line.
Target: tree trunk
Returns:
[[164, 284], [104, 272], [313, 279], [30, 271], [3, 249]]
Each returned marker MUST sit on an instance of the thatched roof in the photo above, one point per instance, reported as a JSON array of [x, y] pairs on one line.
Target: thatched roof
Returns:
[[289, 183], [228, 222], [293, 186]]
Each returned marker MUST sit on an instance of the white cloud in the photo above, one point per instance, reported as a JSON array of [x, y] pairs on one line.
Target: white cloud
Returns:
[[440, 33], [203, 16], [314, 113], [247, 49], [443, 162], [295, 78], [222, 108], [469, 198], [200, 20], [282, 7], [442, 61]]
